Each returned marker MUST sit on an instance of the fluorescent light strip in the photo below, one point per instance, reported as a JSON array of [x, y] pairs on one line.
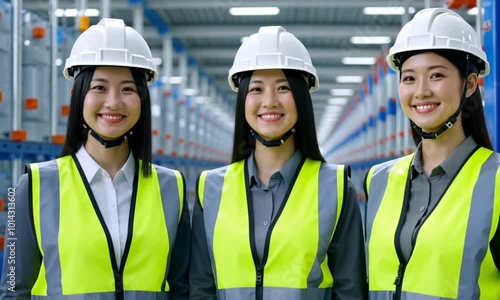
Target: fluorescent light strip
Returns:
[[72, 12], [359, 60], [337, 101], [254, 11], [349, 79], [387, 10], [363, 40], [341, 92]]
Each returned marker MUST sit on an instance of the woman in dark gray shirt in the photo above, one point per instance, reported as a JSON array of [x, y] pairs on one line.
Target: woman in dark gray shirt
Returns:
[[278, 222], [432, 219]]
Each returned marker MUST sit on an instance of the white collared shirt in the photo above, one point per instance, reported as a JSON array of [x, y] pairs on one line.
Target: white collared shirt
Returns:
[[112, 196]]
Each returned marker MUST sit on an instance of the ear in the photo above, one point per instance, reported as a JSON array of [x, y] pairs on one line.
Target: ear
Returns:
[[472, 82]]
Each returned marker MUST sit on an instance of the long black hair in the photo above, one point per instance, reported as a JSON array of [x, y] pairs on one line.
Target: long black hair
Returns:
[[305, 130], [140, 140], [473, 119]]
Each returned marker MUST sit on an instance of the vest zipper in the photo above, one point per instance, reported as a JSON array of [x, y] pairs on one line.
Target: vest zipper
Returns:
[[259, 288], [260, 264], [119, 286], [117, 272], [399, 281]]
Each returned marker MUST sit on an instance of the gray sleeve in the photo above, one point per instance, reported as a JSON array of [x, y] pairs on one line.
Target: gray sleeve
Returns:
[[178, 277], [201, 278], [346, 254], [22, 258], [495, 247]]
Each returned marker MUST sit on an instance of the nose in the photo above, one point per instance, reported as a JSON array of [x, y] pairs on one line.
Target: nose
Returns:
[[422, 89], [113, 99], [270, 99]]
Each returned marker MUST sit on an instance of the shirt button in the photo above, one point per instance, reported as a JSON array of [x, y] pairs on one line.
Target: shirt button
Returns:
[[265, 223], [422, 208]]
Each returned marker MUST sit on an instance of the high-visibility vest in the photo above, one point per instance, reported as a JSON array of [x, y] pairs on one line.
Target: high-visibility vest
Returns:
[[295, 264], [78, 260], [451, 258]]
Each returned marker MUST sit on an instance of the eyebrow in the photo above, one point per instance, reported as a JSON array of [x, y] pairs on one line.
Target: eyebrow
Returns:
[[277, 81], [105, 80], [428, 69]]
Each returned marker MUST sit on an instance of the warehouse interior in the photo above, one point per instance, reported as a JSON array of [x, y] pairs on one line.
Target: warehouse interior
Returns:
[[358, 119]]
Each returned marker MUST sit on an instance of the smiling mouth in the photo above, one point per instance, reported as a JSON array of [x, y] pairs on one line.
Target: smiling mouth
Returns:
[[271, 117], [425, 107], [111, 117]]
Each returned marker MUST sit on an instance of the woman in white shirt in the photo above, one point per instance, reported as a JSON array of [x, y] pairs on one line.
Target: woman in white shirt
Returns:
[[102, 221]]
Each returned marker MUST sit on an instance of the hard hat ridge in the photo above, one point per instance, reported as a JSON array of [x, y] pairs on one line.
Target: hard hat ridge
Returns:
[[438, 28], [272, 48], [111, 43]]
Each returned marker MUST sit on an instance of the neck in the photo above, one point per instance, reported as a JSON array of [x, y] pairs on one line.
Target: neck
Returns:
[[434, 152], [110, 159], [269, 160]]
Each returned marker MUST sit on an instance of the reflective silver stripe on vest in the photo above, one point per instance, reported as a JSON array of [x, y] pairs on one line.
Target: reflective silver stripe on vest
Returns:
[[49, 227], [211, 198], [49, 231], [404, 296], [327, 209], [481, 209], [375, 195], [171, 209], [109, 296], [276, 294]]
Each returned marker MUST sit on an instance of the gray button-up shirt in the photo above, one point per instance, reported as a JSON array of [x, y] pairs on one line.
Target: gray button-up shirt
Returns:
[[267, 199], [426, 192]]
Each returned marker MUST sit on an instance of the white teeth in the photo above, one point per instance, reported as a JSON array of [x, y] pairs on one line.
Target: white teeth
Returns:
[[111, 117], [269, 117], [427, 106]]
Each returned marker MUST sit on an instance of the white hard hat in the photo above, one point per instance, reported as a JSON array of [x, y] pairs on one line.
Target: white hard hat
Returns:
[[272, 48], [439, 28], [111, 43]]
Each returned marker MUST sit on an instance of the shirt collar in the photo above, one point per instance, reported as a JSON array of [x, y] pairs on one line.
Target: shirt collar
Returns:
[[90, 167], [455, 161], [452, 163], [288, 170]]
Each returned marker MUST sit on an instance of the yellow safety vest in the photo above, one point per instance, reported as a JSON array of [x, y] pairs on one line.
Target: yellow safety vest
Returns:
[[295, 264], [451, 258], [77, 253]]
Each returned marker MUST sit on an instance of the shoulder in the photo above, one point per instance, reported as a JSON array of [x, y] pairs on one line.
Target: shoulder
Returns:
[[166, 174], [46, 166], [221, 171], [387, 165]]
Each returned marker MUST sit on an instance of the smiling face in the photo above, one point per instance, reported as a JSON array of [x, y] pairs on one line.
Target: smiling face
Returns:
[[430, 90], [112, 105], [270, 108]]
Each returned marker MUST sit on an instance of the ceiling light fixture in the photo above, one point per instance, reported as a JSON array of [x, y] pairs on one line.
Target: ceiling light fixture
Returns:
[[387, 10], [72, 12], [363, 40], [359, 60], [341, 92], [349, 79], [254, 11], [337, 101]]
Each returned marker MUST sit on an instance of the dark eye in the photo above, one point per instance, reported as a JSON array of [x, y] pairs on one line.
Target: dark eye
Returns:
[[437, 75], [254, 89], [129, 89], [284, 88], [407, 78], [98, 88]]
